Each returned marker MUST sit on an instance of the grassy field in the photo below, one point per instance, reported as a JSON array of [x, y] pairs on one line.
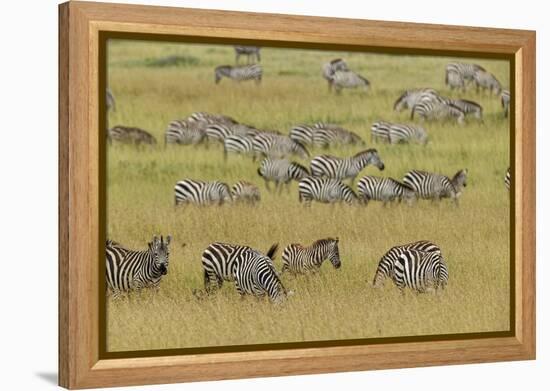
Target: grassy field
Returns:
[[336, 304]]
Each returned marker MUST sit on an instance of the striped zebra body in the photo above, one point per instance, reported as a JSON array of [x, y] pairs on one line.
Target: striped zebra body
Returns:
[[303, 134], [189, 191], [468, 107], [380, 130], [249, 51], [281, 171], [383, 189], [324, 190], [505, 102], [386, 264], [133, 270], [130, 135], [458, 73], [239, 73], [209, 118], [487, 81], [300, 259], [437, 110], [330, 68], [348, 79], [185, 132], [507, 179], [110, 100], [326, 135], [238, 144], [245, 192], [409, 98], [342, 168], [420, 271], [403, 133], [436, 186], [278, 146]]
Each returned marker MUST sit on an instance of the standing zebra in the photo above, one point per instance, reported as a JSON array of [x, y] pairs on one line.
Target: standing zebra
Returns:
[[487, 81], [507, 179], [457, 73], [324, 190], [380, 130], [189, 191], [281, 171], [409, 98], [278, 146], [387, 262], [384, 189], [130, 135], [238, 144], [185, 132], [348, 79], [330, 68], [397, 133], [245, 192], [326, 135], [342, 168], [436, 110], [248, 51], [240, 73], [110, 100], [468, 107], [505, 102], [300, 259], [436, 186], [133, 270], [420, 271]]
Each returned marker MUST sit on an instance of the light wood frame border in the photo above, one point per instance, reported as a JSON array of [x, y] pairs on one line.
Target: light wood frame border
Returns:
[[79, 27]]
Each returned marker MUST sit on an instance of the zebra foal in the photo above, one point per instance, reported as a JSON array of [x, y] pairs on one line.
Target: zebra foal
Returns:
[[301, 259], [245, 192]]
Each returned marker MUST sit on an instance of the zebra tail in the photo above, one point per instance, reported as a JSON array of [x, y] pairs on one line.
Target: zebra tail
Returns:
[[272, 250]]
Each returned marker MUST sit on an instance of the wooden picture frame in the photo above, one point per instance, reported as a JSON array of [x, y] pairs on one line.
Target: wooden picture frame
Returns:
[[80, 162]]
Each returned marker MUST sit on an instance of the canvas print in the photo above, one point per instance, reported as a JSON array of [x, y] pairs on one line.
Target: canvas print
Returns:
[[262, 195]]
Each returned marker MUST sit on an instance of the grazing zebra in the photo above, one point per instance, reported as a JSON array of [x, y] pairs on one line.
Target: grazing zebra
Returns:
[[219, 132], [278, 146], [300, 259], [325, 135], [505, 102], [397, 133], [436, 110], [245, 192], [487, 81], [185, 132], [130, 135], [324, 190], [436, 186], [110, 100], [238, 144], [342, 168], [209, 118], [281, 171], [507, 179], [348, 79], [468, 107], [380, 130], [420, 271], [384, 189], [387, 262], [240, 73], [189, 191], [330, 68], [133, 270], [409, 98], [248, 51], [457, 73], [302, 134]]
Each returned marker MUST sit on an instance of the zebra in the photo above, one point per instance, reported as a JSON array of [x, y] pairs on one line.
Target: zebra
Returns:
[[185, 132], [505, 102], [487, 81], [219, 132], [342, 168], [437, 110], [332, 67], [303, 134], [134, 270], [348, 79], [239, 73], [436, 186], [278, 146], [300, 259], [324, 190], [238, 144], [245, 192], [387, 262], [507, 179], [384, 189], [281, 171], [189, 191], [380, 130], [457, 73], [468, 107], [110, 100], [397, 133], [420, 271], [209, 118], [130, 135], [226, 262], [409, 98], [326, 135], [248, 51]]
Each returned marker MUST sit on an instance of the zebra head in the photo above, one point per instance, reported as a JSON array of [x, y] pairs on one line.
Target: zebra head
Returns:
[[334, 254], [222, 70], [401, 102], [224, 193], [370, 156], [296, 171], [459, 181], [159, 249]]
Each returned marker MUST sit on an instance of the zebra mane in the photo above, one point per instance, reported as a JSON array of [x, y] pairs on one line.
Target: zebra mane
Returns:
[[400, 99], [220, 67], [370, 150], [324, 241], [470, 102], [363, 78], [336, 60], [272, 251], [112, 243]]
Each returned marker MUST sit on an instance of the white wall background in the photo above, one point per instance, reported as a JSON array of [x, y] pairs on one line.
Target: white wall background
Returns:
[[28, 207]]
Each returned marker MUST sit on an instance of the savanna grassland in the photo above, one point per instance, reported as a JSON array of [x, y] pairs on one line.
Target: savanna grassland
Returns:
[[335, 304]]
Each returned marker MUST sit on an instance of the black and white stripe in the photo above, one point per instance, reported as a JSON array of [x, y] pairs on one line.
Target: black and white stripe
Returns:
[[133, 270], [438, 110], [409, 98], [458, 73], [436, 186], [281, 171], [189, 191], [468, 107], [342, 168], [507, 179], [238, 144], [239, 73], [398, 133], [326, 135], [420, 271], [324, 190], [245, 192], [303, 134], [505, 102], [386, 264], [487, 81], [250, 52], [348, 79], [278, 146], [185, 132], [130, 135], [384, 189], [300, 259], [330, 68], [210, 118]]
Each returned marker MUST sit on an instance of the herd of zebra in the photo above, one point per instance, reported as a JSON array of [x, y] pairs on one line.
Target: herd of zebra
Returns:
[[419, 266]]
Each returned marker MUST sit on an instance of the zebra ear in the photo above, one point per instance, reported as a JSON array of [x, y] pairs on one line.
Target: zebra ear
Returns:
[[155, 240], [336, 239], [168, 239]]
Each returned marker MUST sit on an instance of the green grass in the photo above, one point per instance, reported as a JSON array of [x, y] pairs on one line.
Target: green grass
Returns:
[[336, 304]]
